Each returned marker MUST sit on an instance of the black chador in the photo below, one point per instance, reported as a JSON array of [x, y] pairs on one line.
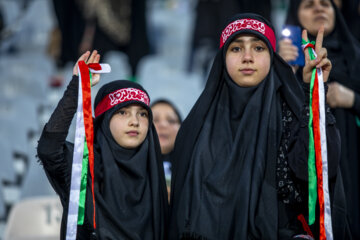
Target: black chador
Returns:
[[240, 158]]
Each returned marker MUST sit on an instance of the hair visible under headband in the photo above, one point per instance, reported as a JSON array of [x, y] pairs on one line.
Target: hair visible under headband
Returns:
[[250, 25], [120, 96]]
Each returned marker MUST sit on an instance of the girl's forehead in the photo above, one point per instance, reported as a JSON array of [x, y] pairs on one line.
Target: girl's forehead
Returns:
[[246, 37], [134, 106]]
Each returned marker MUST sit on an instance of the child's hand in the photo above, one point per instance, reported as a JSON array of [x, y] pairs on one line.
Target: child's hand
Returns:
[[320, 62], [93, 58]]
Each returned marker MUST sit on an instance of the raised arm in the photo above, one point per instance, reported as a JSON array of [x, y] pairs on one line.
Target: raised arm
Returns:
[[53, 151]]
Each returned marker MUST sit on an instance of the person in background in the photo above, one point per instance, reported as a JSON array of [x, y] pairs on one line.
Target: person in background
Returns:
[[65, 37], [167, 121], [130, 189], [240, 158], [350, 9], [344, 87], [116, 25], [106, 25]]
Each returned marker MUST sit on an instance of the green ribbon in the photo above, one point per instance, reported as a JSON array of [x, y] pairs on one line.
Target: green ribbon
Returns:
[[84, 170], [311, 159], [82, 198]]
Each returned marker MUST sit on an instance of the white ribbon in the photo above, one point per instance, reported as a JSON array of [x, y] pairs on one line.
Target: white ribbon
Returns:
[[324, 155], [105, 68], [72, 218]]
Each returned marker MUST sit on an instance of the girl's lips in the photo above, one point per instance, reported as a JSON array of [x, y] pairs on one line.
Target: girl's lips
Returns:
[[132, 133], [247, 71]]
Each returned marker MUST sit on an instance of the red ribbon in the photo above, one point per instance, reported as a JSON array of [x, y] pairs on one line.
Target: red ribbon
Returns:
[[94, 66], [88, 121], [305, 225], [317, 142]]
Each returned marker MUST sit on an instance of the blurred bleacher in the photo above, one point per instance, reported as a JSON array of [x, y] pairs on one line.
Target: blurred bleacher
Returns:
[[27, 99]]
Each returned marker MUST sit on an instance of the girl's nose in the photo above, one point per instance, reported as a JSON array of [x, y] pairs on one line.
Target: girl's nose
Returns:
[[134, 120], [247, 57]]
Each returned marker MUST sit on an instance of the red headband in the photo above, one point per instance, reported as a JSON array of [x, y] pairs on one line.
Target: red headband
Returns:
[[120, 96], [251, 24]]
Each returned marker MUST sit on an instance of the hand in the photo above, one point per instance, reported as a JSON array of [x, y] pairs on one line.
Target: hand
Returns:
[[340, 96], [287, 50], [321, 60], [93, 58]]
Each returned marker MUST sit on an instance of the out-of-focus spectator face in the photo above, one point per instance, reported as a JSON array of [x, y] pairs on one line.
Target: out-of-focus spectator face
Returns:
[[167, 125], [314, 13]]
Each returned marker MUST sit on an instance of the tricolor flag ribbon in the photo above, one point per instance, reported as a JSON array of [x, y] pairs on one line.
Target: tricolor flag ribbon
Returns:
[[318, 162], [83, 150]]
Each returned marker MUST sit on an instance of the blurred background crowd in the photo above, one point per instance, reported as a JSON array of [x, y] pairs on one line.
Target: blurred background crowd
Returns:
[[165, 45]]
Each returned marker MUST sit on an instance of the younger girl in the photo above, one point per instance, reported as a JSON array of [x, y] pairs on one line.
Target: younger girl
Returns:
[[130, 190]]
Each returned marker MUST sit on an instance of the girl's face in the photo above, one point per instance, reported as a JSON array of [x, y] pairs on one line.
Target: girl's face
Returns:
[[314, 13], [129, 126], [247, 60], [167, 125]]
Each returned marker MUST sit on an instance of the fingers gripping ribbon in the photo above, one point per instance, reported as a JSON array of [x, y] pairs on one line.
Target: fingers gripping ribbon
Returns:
[[308, 45]]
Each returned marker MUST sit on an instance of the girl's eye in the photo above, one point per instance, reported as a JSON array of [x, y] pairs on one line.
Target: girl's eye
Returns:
[[235, 49], [144, 114], [121, 112], [259, 48]]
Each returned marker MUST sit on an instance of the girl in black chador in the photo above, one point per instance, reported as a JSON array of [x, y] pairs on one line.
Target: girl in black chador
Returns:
[[344, 88], [240, 158], [130, 189]]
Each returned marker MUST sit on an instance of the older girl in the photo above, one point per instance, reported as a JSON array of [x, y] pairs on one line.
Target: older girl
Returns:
[[240, 160]]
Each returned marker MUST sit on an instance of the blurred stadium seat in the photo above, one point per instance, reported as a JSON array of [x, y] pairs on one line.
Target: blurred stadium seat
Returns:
[[34, 219]]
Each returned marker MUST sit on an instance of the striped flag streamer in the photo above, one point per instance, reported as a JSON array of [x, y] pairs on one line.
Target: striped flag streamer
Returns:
[[83, 149], [318, 162]]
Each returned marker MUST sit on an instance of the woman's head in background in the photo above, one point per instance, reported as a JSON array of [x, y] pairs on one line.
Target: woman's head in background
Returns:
[[311, 14], [167, 121]]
